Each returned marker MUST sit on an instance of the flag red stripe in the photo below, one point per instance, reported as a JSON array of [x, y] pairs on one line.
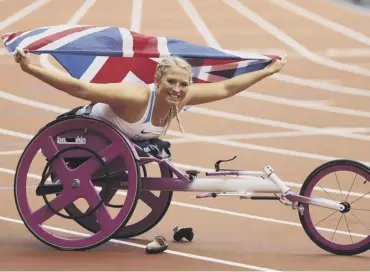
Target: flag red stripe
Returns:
[[145, 45], [275, 57], [195, 62], [52, 38], [115, 69], [8, 37]]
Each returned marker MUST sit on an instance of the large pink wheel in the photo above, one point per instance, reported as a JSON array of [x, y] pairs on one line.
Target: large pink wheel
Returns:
[[41, 209]]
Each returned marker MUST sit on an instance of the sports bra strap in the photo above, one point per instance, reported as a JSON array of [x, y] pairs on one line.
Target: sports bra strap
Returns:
[[151, 103]]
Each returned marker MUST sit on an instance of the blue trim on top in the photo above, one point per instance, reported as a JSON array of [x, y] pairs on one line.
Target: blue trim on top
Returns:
[[151, 105]]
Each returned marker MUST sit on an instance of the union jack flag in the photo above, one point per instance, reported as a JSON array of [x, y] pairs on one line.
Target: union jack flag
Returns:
[[105, 54]]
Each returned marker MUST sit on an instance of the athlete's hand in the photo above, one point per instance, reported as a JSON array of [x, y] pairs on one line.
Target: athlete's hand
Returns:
[[276, 65], [22, 58]]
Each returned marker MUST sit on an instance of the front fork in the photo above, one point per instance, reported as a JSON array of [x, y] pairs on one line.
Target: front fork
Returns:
[[295, 198]]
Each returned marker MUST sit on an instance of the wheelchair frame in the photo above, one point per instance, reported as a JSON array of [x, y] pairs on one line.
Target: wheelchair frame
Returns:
[[101, 144]]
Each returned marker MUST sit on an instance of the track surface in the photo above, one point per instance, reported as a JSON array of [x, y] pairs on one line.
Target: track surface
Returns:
[[323, 86]]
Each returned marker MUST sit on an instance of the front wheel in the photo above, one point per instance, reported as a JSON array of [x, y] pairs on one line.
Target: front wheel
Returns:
[[346, 232]]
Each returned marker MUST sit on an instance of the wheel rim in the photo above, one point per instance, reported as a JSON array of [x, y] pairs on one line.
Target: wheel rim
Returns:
[[46, 140], [308, 210]]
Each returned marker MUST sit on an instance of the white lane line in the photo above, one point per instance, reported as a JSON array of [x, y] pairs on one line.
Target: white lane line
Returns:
[[269, 135], [81, 12], [15, 134], [23, 13], [9, 188], [245, 136], [288, 40], [249, 136], [199, 24], [213, 140], [12, 172], [172, 252], [136, 14], [13, 143], [3, 51], [186, 205], [32, 103], [11, 152], [303, 104], [204, 111], [220, 141], [267, 149], [211, 41], [321, 85], [278, 124], [329, 52], [84, 8], [347, 52], [226, 212], [355, 35]]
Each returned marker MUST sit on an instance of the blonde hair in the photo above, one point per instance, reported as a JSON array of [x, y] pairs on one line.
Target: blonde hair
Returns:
[[162, 68]]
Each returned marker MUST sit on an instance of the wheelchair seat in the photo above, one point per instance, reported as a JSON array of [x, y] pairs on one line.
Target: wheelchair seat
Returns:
[[159, 149]]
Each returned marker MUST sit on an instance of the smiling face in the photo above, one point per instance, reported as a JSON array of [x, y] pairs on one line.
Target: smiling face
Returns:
[[174, 85], [173, 80]]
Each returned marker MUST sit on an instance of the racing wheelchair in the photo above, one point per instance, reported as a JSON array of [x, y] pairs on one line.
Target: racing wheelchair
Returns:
[[87, 163]]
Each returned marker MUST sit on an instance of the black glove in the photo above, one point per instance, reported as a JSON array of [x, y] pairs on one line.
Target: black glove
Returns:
[[179, 233]]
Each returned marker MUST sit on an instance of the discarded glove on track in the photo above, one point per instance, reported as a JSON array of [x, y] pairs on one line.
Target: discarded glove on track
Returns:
[[179, 233], [158, 245]]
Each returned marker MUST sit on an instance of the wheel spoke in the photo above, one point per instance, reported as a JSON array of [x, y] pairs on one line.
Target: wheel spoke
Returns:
[[336, 228], [367, 210], [359, 198], [58, 203], [351, 187], [359, 219], [341, 193], [93, 199], [328, 194], [108, 195], [148, 198], [325, 218], [345, 217]]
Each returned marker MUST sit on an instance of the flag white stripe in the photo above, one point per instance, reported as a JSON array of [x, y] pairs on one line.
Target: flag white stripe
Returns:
[[23, 34], [94, 68], [70, 38], [51, 31], [127, 43], [243, 55], [7, 43], [162, 47]]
